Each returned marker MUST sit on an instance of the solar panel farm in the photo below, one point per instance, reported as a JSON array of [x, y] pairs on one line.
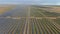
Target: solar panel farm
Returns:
[[30, 19]]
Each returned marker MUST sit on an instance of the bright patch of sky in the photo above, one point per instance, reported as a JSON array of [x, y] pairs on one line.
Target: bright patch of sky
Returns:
[[38, 2]]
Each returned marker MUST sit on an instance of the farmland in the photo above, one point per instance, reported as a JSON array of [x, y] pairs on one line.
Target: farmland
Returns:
[[30, 20], [5, 8]]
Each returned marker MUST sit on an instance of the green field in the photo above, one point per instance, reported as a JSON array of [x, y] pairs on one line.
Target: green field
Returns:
[[44, 25], [30, 20]]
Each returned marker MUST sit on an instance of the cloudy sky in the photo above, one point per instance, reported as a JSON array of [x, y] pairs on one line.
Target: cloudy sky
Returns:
[[38, 2]]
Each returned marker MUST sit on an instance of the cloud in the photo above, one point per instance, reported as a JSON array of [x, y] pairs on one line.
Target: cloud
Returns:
[[58, 3], [37, 2], [47, 4]]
